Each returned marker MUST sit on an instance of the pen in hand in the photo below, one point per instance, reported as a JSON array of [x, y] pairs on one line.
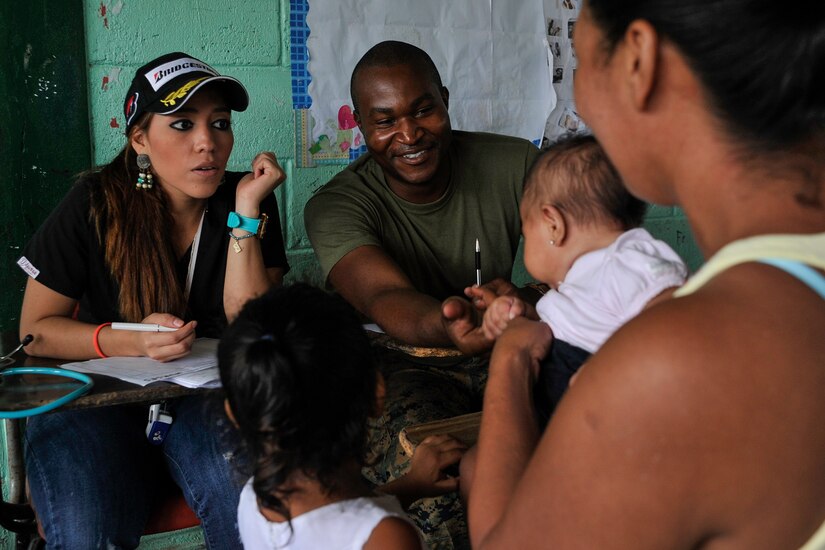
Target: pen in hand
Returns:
[[142, 327], [478, 264]]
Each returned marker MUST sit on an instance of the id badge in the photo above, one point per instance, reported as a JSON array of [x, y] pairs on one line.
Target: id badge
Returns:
[[159, 423]]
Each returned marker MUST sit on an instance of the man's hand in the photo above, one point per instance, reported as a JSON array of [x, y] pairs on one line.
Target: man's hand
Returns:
[[462, 322], [482, 296]]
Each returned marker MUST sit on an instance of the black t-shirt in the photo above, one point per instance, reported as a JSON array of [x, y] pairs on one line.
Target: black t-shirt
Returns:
[[65, 255]]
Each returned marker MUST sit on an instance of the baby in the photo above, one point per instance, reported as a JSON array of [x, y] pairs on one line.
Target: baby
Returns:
[[582, 237]]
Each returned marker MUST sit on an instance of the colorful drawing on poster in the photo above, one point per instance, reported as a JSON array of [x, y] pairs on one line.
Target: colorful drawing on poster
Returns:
[[341, 142]]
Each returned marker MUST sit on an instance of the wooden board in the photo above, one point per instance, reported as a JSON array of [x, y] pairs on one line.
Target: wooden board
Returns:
[[464, 428]]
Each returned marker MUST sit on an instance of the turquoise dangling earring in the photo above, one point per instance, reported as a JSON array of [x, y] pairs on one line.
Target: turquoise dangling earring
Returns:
[[144, 180]]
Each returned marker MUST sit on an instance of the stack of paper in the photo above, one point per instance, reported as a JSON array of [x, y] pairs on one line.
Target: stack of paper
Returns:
[[199, 369]]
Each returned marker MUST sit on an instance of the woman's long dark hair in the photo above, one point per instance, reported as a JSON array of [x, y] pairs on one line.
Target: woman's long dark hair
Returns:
[[300, 377], [133, 226]]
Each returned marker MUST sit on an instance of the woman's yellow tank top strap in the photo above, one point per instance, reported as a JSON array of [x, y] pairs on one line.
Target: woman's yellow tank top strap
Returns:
[[807, 249]]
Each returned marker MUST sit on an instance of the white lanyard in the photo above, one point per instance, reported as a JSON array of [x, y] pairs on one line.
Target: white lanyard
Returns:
[[193, 257]]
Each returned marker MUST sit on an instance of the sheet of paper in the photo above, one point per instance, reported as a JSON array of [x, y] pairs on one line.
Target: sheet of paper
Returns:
[[372, 327], [198, 369], [492, 56], [207, 378]]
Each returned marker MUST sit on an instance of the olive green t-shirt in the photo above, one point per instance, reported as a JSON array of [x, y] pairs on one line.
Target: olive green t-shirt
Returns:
[[434, 244]]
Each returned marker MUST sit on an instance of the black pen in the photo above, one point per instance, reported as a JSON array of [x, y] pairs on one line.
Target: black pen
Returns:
[[478, 264]]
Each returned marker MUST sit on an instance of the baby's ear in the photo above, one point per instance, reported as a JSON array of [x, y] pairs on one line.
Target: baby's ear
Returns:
[[228, 410], [555, 222]]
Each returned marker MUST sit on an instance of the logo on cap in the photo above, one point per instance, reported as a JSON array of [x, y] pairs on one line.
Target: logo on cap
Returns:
[[181, 92], [131, 107], [159, 76]]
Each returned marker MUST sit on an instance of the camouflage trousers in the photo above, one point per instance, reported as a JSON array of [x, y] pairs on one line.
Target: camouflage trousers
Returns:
[[422, 391]]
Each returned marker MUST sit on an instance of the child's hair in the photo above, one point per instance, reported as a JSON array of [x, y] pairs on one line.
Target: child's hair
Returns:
[[300, 377], [575, 175]]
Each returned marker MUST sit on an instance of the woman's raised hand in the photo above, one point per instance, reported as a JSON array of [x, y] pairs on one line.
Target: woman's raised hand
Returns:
[[266, 175]]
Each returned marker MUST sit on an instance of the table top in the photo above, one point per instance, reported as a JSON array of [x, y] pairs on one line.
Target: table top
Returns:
[[384, 340], [33, 390]]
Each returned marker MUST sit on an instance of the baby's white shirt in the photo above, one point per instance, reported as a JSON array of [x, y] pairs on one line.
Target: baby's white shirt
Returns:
[[606, 288]]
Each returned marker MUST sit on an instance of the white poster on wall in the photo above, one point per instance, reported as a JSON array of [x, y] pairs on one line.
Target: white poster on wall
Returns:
[[493, 56]]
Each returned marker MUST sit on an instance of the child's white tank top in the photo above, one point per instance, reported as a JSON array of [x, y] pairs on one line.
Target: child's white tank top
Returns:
[[344, 525]]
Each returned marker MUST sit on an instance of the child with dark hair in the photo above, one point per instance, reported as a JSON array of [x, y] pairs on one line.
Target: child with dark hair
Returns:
[[301, 384], [582, 237]]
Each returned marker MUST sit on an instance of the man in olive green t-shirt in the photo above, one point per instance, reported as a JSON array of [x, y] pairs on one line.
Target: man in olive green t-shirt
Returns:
[[395, 231], [395, 235]]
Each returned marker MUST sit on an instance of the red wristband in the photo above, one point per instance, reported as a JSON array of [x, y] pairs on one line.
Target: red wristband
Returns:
[[96, 343]]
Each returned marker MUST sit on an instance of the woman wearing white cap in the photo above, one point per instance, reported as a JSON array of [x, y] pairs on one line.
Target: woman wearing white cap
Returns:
[[163, 234]]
